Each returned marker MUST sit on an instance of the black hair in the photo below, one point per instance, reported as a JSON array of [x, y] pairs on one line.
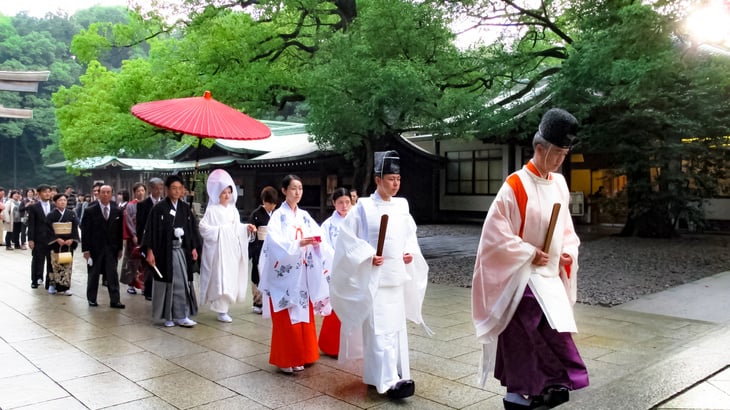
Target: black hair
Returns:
[[340, 192], [269, 194], [55, 197], [137, 185], [288, 179], [43, 187], [125, 195], [172, 179]]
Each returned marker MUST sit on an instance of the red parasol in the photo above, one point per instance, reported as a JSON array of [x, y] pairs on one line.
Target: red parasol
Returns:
[[202, 117]]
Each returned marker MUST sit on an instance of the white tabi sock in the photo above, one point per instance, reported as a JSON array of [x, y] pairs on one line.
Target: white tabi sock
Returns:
[[517, 398]]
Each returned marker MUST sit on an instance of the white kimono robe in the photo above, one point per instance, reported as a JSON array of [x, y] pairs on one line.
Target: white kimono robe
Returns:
[[504, 260], [292, 275], [224, 259], [373, 302], [331, 230]]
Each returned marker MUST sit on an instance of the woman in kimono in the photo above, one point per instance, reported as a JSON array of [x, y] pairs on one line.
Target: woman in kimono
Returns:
[[64, 237], [171, 238], [329, 335], [224, 260], [293, 281], [260, 218]]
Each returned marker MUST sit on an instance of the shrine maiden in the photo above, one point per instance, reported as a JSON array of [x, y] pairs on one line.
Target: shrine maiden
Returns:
[[293, 280]]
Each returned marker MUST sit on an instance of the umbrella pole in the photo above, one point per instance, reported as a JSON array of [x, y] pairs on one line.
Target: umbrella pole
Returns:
[[195, 172]]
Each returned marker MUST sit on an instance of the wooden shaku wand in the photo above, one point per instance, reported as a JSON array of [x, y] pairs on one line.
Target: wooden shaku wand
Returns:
[[381, 235], [551, 228]]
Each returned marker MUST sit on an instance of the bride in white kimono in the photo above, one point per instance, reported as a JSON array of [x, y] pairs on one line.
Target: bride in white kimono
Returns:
[[224, 262]]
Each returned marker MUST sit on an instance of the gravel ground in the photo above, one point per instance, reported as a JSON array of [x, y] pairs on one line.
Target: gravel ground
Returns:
[[613, 270]]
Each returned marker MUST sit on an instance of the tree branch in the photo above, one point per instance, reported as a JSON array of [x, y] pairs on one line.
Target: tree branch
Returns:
[[529, 86]]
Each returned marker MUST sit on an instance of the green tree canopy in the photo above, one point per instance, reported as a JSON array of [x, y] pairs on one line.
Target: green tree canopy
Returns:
[[623, 69], [394, 70], [641, 93], [33, 44]]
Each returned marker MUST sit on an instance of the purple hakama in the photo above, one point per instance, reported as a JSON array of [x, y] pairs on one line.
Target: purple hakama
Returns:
[[532, 356]]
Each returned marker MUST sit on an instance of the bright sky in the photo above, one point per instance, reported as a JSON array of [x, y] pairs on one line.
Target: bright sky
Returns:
[[39, 8]]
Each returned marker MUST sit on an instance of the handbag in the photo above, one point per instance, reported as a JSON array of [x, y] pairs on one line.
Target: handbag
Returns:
[[62, 228], [64, 258]]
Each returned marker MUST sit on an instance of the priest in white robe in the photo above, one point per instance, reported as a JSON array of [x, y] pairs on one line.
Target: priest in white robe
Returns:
[[224, 260], [522, 294], [373, 295]]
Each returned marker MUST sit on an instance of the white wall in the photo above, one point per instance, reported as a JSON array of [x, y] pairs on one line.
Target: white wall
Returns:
[[718, 209], [477, 203]]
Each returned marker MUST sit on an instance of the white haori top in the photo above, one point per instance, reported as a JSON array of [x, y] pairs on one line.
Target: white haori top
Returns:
[[292, 275], [331, 229]]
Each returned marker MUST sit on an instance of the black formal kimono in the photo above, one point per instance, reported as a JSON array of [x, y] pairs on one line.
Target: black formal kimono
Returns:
[[61, 275], [143, 211], [159, 236], [259, 217]]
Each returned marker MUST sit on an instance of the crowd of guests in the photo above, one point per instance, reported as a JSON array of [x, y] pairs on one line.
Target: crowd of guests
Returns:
[[362, 268], [14, 212], [284, 256]]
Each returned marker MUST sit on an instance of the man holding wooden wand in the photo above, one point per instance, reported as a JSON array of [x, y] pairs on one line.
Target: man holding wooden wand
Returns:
[[524, 284], [378, 281]]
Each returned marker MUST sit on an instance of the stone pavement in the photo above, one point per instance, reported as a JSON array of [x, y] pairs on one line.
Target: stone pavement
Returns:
[[56, 352]]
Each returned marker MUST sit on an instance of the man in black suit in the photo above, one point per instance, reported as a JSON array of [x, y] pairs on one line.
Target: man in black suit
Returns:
[[156, 188], [39, 235], [101, 242]]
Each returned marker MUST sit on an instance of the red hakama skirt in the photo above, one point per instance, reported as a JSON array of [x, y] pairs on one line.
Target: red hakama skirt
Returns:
[[329, 335], [292, 345]]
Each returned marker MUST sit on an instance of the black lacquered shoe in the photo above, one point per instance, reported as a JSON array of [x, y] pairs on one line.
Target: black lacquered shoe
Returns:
[[402, 389], [555, 395], [537, 403], [93, 304]]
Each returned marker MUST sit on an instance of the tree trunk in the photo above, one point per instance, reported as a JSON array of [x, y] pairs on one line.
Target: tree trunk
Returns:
[[634, 182], [648, 215], [368, 162], [362, 163]]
